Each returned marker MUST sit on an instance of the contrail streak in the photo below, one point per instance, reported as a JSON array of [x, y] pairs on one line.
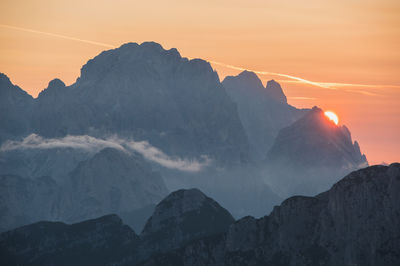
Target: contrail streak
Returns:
[[58, 36], [338, 84], [325, 85], [318, 84]]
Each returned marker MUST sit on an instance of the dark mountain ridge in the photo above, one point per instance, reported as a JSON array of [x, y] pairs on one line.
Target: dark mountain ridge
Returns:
[[353, 223]]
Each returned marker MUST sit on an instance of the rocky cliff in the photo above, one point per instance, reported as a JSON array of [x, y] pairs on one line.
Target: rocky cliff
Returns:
[[353, 223], [310, 155], [262, 110]]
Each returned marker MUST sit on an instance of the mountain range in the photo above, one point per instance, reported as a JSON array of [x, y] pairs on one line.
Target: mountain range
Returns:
[[355, 222], [141, 121]]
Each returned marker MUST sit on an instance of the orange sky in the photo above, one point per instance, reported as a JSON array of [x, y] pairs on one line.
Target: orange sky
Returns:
[[353, 41]]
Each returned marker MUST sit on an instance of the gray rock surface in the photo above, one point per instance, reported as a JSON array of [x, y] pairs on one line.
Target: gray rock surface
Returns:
[[148, 93], [310, 155], [102, 241], [262, 110], [109, 181], [181, 217], [23, 200], [15, 109], [356, 222]]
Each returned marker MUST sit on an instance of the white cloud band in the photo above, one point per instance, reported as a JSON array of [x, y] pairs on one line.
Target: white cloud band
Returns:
[[93, 145]]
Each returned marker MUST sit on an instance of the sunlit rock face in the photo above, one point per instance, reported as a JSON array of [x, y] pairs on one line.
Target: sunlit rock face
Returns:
[[262, 110], [148, 93], [311, 154]]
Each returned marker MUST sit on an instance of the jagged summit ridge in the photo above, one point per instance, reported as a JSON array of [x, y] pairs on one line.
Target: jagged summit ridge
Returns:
[[147, 93], [312, 154], [276, 91], [262, 110]]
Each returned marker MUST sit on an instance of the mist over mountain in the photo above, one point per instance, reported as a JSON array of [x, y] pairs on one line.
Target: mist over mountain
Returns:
[[311, 154], [148, 93], [110, 181], [355, 222], [142, 121]]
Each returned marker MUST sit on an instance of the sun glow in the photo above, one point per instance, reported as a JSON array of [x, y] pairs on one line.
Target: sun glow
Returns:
[[332, 116]]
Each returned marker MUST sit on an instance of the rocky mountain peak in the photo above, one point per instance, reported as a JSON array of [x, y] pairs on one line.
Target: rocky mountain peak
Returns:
[[246, 80], [11, 92], [275, 91], [313, 142], [182, 216], [56, 83], [128, 58], [4, 78], [262, 110], [54, 89]]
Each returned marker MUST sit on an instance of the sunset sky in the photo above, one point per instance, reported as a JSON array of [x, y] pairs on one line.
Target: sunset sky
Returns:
[[349, 50]]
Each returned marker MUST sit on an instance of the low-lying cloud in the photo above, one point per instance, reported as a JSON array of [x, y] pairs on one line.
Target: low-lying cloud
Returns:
[[93, 145]]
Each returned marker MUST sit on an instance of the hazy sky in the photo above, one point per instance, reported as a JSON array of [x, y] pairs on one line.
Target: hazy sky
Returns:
[[351, 42]]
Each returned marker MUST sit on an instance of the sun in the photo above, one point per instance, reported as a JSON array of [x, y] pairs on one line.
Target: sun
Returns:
[[332, 116]]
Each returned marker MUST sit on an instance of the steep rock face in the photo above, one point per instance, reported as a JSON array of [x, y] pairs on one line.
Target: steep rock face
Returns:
[[275, 91], [31, 163], [262, 110], [311, 154], [100, 241], [111, 182], [15, 109], [354, 223], [365, 211], [23, 201], [183, 216], [148, 93]]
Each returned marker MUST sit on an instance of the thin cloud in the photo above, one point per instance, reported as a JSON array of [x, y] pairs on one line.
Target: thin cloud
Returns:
[[153, 154], [94, 145], [324, 85], [84, 142], [338, 84], [318, 84]]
